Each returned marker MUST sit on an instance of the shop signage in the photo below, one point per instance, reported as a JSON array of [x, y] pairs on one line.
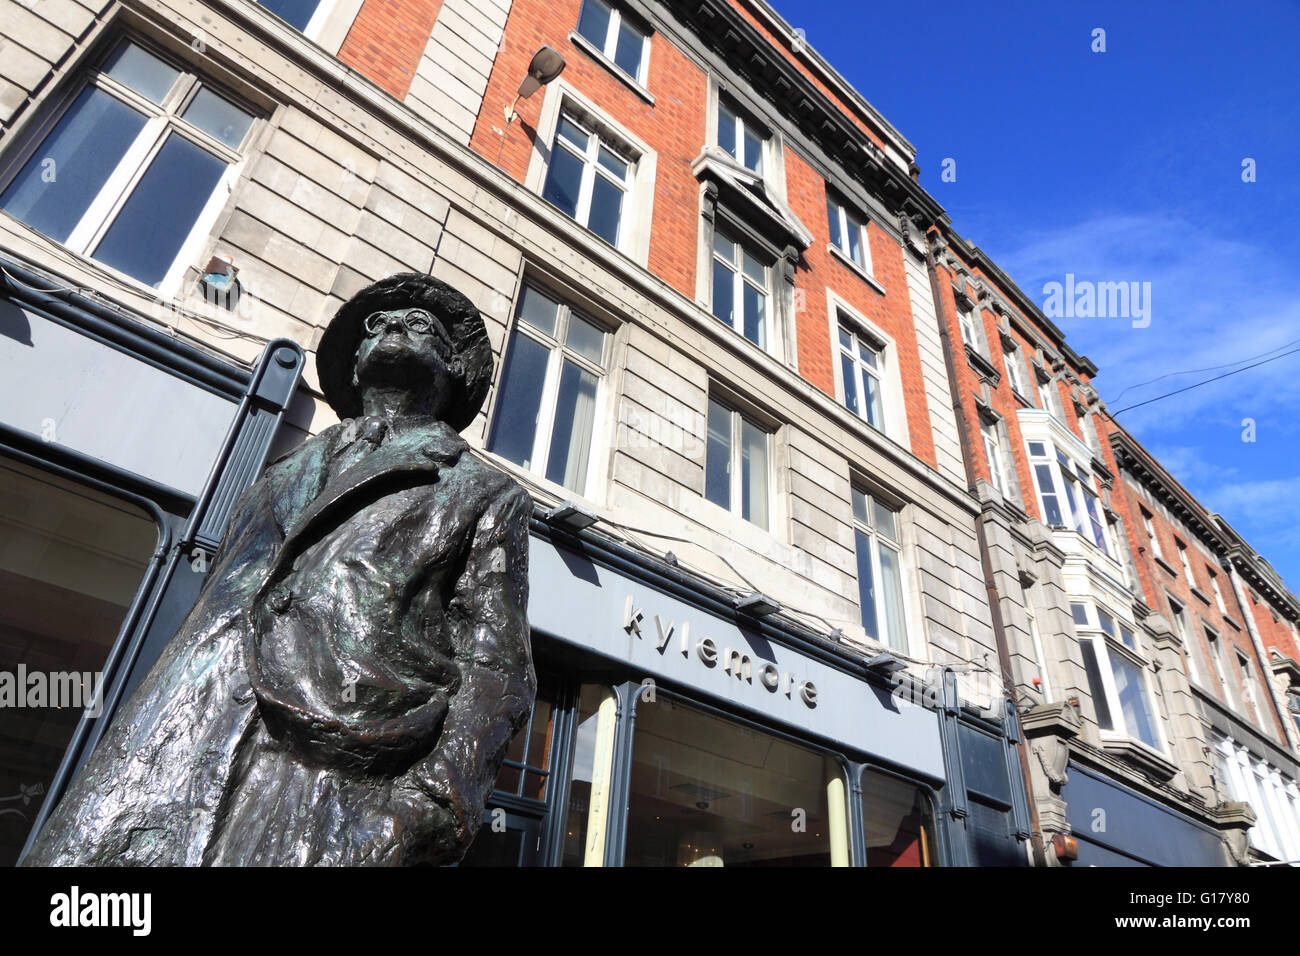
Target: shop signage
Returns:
[[735, 662]]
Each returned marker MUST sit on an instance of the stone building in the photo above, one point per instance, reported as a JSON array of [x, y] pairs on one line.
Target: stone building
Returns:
[[727, 323]]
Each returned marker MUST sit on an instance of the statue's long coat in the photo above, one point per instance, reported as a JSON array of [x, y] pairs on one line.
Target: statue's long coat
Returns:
[[346, 685]]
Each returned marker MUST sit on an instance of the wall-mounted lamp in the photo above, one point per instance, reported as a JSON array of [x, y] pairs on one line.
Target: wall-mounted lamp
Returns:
[[545, 66], [757, 604], [886, 663], [570, 517]]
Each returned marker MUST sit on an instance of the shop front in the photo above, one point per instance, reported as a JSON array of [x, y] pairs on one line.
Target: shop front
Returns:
[[121, 451], [674, 729]]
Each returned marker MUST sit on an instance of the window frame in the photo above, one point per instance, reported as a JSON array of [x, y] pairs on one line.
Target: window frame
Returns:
[[735, 504], [1215, 648], [1075, 483], [557, 354], [743, 122], [1187, 564], [847, 221], [997, 466], [878, 539], [609, 47], [840, 315], [161, 121], [1015, 369], [1152, 536], [1107, 642], [743, 246], [591, 168]]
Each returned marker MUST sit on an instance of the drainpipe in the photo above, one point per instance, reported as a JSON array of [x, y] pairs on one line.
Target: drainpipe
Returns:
[[986, 562], [1289, 729]]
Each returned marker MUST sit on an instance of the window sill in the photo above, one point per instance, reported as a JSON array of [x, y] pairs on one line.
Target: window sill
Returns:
[[1164, 564], [589, 48], [1196, 592], [863, 274], [1230, 622], [1151, 762]]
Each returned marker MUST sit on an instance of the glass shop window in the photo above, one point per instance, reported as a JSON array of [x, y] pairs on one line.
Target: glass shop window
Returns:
[[130, 169], [71, 561], [707, 791], [898, 822]]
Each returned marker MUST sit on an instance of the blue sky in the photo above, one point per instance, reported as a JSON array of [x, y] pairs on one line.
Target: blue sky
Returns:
[[1124, 166]]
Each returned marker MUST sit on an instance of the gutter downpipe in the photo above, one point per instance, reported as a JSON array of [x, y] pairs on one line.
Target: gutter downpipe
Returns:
[[986, 563]]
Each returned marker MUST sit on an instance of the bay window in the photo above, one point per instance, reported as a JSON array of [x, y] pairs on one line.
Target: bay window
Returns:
[[880, 590], [736, 464], [1068, 494], [128, 172], [550, 378], [741, 290], [589, 178], [1117, 675]]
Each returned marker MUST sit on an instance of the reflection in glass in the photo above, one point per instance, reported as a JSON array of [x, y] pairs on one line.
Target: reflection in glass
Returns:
[[518, 405], [717, 477], [706, 791], [897, 821], [71, 560]]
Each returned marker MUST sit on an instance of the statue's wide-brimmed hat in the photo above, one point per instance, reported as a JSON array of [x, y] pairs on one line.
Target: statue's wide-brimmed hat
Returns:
[[471, 361]]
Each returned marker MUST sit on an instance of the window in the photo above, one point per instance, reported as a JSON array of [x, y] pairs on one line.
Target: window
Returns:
[[1220, 671], [1178, 616], [897, 821], [130, 170], [1248, 682], [305, 16], [1015, 371], [711, 792], [993, 455], [1152, 537], [610, 32], [861, 364], [1218, 595], [72, 561], [546, 407], [849, 233], [966, 322], [1067, 493], [880, 590], [1040, 656], [1117, 676], [1048, 397], [740, 138], [740, 289], [588, 178], [1187, 565], [736, 464]]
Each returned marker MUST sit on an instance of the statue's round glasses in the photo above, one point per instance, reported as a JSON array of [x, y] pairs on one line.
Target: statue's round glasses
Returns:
[[415, 320]]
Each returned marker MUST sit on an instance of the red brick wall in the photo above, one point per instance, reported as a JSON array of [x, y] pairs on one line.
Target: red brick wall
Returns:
[[1274, 633], [819, 270], [387, 40], [673, 127]]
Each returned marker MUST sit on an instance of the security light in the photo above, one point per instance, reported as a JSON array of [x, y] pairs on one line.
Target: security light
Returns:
[[757, 604], [570, 517], [886, 663]]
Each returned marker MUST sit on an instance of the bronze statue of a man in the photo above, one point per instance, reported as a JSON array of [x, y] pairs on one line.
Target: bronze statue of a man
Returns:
[[346, 685]]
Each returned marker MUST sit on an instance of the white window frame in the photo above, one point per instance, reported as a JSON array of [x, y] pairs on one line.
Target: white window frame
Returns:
[[1048, 396], [163, 120], [966, 323], [1218, 592], [740, 279], [1067, 494], [1249, 686], [1178, 621], [993, 455], [591, 168], [610, 45], [743, 123], [557, 355], [736, 469], [1213, 644], [638, 214], [1187, 564], [1104, 645], [877, 541], [893, 406], [1015, 369], [849, 220], [1151, 533]]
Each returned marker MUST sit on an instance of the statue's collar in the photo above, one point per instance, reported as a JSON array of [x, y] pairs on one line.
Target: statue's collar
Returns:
[[434, 438]]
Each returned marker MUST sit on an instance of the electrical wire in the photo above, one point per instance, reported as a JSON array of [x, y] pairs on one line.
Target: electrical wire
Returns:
[[1211, 368], [1206, 382]]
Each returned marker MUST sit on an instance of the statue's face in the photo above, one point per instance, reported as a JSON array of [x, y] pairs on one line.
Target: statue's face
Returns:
[[404, 348]]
